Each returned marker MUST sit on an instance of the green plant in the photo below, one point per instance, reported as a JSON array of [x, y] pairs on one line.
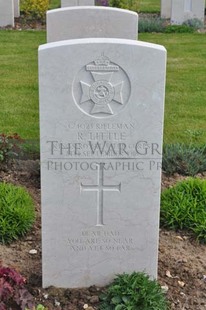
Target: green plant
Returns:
[[183, 159], [13, 291], [151, 25], [38, 307], [35, 8], [54, 4], [16, 212], [195, 23], [30, 149], [132, 292], [9, 146], [179, 29], [184, 207]]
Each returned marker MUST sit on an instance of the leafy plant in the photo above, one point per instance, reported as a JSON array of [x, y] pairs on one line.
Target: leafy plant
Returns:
[[132, 292], [38, 307], [16, 212], [194, 23], [9, 146], [179, 29], [151, 25], [184, 207], [35, 8], [13, 291], [183, 159], [30, 149]]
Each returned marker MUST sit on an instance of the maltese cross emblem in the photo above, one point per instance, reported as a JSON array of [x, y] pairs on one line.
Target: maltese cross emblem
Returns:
[[104, 88], [102, 92]]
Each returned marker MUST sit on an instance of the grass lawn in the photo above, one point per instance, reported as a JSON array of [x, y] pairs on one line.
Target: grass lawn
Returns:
[[19, 82], [53, 4], [185, 106], [144, 5], [185, 92], [149, 6]]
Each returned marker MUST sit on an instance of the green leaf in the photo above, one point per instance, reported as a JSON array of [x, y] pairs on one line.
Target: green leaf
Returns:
[[133, 292], [183, 207], [119, 307], [125, 299], [116, 300], [17, 212]]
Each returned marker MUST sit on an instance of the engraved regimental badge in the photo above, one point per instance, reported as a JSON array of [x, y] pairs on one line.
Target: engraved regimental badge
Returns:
[[101, 88]]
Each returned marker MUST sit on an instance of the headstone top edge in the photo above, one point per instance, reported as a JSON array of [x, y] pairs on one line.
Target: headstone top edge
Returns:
[[91, 8], [100, 40]]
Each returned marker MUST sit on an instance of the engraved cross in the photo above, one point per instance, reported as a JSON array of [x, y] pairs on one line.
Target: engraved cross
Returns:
[[100, 188]]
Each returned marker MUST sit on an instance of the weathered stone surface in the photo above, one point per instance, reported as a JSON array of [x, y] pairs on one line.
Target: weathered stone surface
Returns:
[[183, 10], [16, 8], [6, 13], [66, 3], [88, 22], [166, 6], [101, 118]]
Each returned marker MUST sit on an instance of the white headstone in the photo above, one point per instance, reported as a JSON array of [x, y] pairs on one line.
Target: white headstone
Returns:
[[101, 119], [88, 22], [198, 9], [183, 10], [66, 3], [6, 13], [166, 8], [187, 5], [16, 8]]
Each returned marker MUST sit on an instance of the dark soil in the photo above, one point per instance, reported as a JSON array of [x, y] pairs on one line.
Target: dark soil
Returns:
[[182, 261]]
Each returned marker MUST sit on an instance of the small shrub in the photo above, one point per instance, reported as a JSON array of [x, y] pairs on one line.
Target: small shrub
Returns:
[[179, 29], [184, 207], [194, 23], [183, 159], [35, 8], [12, 290], [9, 146], [132, 292], [16, 212], [151, 25]]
